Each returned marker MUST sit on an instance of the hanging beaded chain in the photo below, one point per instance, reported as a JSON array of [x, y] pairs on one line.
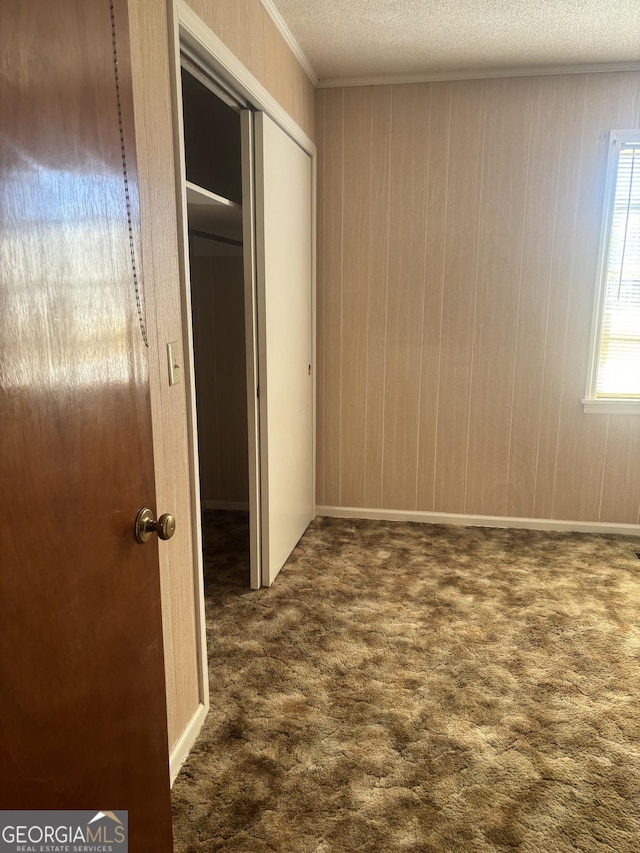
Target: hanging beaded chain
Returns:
[[132, 248]]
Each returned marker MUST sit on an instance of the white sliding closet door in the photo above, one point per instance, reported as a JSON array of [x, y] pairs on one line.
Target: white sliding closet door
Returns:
[[284, 283]]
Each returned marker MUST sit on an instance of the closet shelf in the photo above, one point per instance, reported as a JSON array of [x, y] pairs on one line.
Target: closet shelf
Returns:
[[212, 213]]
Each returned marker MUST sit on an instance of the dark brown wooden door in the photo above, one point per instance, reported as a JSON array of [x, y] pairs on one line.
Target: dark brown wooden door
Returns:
[[82, 701]]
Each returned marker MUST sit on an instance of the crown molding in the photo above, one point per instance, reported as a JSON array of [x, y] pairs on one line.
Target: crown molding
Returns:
[[485, 74], [287, 35]]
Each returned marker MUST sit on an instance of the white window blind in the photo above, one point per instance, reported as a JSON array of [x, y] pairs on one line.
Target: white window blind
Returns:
[[616, 354]]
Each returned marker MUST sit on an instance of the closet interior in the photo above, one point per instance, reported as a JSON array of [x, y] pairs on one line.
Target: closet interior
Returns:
[[213, 168]]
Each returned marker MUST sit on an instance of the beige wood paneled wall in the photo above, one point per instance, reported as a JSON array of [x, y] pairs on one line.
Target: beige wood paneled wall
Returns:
[[217, 297], [458, 229], [248, 31], [160, 268]]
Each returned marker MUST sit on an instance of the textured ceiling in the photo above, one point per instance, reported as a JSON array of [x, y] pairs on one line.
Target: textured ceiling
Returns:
[[365, 38]]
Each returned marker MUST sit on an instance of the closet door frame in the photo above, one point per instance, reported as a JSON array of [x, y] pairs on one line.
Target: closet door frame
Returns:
[[188, 31]]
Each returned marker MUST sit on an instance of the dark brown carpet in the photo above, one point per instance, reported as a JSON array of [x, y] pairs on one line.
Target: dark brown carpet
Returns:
[[408, 687]]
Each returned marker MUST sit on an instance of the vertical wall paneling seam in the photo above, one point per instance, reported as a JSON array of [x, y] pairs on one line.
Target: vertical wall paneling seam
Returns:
[[341, 370], [550, 279], [424, 285], [604, 466], [567, 319], [442, 283], [475, 293], [366, 332], [386, 302], [518, 298]]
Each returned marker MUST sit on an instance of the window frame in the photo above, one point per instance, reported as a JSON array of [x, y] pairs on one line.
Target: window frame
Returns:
[[591, 403]]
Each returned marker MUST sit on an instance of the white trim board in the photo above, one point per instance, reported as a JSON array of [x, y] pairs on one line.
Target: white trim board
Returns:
[[604, 406], [186, 740], [479, 520], [288, 36], [484, 74]]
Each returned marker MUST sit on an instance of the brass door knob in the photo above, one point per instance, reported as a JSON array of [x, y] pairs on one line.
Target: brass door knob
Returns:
[[146, 525]]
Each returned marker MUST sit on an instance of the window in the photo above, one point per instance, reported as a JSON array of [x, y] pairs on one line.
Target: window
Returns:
[[614, 371]]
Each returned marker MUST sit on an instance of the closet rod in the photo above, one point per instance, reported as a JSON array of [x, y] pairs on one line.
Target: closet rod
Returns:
[[207, 236]]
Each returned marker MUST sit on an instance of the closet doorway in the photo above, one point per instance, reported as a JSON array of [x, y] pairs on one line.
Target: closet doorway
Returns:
[[212, 129], [248, 196], [246, 234]]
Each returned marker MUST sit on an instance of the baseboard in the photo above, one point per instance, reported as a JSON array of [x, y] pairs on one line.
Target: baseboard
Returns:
[[230, 505], [479, 520], [186, 740]]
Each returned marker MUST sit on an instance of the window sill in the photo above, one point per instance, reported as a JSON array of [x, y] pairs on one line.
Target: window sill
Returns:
[[611, 407]]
